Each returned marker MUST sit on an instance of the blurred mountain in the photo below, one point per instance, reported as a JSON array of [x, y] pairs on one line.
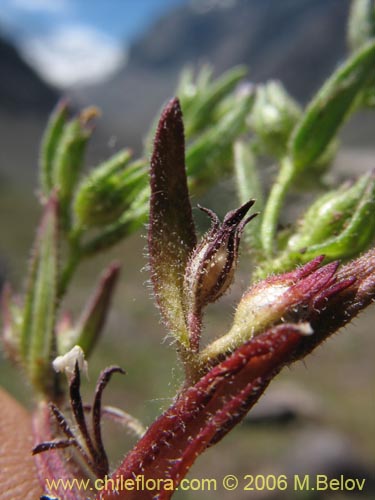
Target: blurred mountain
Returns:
[[285, 40], [25, 102], [21, 90], [299, 42]]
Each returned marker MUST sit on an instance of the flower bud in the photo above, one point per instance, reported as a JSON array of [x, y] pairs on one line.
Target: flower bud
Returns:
[[105, 194], [288, 297], [273, 117], [210, 270], [340, 224]]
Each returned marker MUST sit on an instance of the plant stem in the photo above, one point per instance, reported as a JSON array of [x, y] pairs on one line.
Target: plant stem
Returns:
[[274, 204]]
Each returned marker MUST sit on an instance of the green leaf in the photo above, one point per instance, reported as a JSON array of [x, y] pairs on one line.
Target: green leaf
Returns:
[[201, 100], [209, 156], [248, 188], [37, 335], [330, 107], [361, 26], [273, 118], [171, 236], [189, 90], [202, 109], [273, 206], [68, 159], [50, 142]]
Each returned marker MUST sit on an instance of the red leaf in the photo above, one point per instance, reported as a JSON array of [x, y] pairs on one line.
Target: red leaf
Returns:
[[171, 236]]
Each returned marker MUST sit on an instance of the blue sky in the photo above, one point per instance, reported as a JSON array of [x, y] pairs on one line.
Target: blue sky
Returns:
[[78, 41], [120, 18]]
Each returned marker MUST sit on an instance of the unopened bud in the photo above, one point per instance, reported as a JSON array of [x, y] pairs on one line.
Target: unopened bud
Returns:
[[273, 117], [104, 195], [340, 224], [288, 297]]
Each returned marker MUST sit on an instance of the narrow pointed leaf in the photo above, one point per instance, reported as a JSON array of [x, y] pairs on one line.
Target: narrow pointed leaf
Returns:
[[330, 107], [37, 335], [191, 86], [211, 153], [68, 159], [91, 323], [171, 236], [248, 187], [50, 141], [201, 111]]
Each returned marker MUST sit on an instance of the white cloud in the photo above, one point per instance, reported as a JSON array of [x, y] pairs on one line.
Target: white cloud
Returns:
[[41, 5], [74, 55]]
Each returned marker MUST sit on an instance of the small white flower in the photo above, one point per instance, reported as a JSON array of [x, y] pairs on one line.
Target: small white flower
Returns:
[[67, 362], [305, 328]]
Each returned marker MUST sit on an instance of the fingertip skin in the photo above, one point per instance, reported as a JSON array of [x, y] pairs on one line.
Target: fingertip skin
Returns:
[[18, 473]]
